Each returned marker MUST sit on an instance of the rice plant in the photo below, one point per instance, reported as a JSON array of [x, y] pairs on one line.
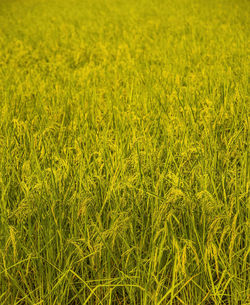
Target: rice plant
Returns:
[[124, 157]]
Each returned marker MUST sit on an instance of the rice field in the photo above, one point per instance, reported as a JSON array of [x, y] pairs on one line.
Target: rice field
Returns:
[[124, 156]]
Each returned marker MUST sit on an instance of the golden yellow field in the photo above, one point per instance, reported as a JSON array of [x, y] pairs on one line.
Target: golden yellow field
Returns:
[[124, 157]]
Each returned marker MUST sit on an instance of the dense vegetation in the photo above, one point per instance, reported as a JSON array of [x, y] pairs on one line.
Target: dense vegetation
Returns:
[[123, 152]]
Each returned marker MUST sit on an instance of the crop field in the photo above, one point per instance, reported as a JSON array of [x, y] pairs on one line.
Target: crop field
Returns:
[[124, 157]]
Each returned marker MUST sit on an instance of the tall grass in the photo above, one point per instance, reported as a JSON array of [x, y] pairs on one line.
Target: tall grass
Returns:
[[124, 152]]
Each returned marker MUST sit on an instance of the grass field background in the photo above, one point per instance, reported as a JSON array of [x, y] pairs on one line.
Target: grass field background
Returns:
[[124, 173]]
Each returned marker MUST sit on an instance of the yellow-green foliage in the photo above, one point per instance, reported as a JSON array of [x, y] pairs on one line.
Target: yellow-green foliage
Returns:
[[123, 152]]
